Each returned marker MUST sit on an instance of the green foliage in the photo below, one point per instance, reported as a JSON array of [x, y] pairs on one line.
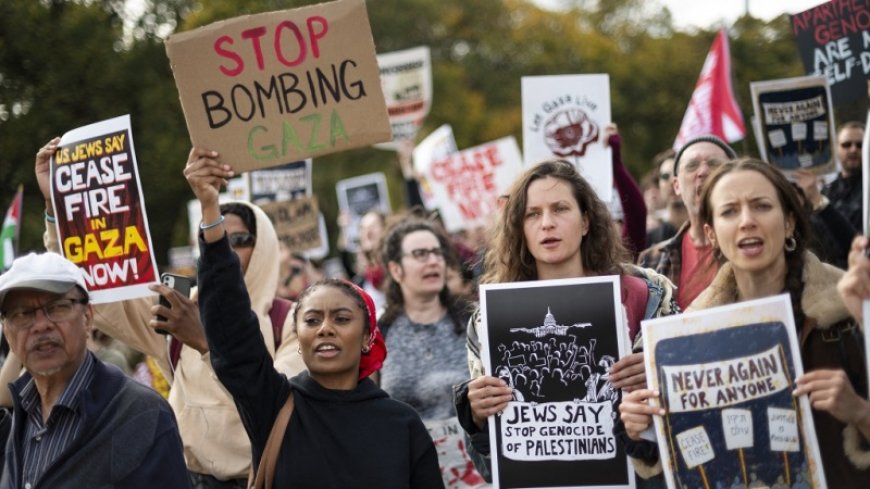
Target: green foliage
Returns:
[[64, 64]]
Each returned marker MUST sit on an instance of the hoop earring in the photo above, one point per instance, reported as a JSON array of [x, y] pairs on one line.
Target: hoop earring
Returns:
[[790, 244], [366, 349]]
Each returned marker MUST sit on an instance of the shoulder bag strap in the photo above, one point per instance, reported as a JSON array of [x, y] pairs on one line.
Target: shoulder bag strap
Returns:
[[266, 470]]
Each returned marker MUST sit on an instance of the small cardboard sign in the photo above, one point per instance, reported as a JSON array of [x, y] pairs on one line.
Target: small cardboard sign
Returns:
[[406, 78], [101, 222], [786, 109], [296, 222], [695, 446], [272, 88]]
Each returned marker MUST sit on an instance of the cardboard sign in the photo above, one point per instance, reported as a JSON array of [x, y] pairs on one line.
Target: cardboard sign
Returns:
[[457, 469], [555, 352], [795, 123], [277, 87], [564, 117], [286, 182], [297, 222], [101, 221], [834, 41], [406, 78], [467, 184], [730, 371], [438, 145], [356, 197]]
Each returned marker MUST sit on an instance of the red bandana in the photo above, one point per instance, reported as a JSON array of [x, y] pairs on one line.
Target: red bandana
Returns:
[[371, 361]]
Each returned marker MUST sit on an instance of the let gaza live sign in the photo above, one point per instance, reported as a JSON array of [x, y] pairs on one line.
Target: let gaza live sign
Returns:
[[277, 87]]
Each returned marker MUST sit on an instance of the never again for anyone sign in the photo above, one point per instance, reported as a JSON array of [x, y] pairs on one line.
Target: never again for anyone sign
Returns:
[[726, 375], [553, 342], [834, 41], [277, 87], [101, 221], [795, 123]]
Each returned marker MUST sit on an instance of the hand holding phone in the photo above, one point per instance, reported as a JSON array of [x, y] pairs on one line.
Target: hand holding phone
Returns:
[[177, 282]]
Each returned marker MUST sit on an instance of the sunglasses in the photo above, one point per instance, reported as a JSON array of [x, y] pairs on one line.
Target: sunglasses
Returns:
[[849, 144], [665, 176], [242, 240]]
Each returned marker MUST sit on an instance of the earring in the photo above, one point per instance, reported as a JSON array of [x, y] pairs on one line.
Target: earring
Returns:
[[790, 244], [299, 349], [366, 349]]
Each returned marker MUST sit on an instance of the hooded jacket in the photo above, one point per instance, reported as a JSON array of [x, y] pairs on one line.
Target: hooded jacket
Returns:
[[211, 430], [335, 439]]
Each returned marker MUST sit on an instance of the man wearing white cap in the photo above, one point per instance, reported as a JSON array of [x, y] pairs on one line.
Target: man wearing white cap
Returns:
[[77, 422]]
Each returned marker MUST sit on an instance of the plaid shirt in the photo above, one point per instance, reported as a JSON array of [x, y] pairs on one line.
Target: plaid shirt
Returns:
[[666, 257], [846, 195]]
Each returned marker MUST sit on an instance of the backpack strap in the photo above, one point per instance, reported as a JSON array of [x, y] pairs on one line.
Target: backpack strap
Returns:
[[265, 474]]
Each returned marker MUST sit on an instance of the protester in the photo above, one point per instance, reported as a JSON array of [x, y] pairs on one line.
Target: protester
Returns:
[[78, 422], [345, 431], [686, 258], [215, 447], [364, 265], [554, 226], [832, 233], [424, 329], [752, 217], [846, 192], [669, 215]]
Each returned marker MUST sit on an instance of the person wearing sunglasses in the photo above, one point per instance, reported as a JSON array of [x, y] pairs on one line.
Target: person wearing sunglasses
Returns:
[[424, 329], [216, 449], [846, 192]]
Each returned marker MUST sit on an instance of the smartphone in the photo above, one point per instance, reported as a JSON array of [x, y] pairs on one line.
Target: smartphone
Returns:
[[177, 282]]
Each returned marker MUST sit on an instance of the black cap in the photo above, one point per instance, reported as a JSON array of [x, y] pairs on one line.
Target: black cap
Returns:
[[709, 138]]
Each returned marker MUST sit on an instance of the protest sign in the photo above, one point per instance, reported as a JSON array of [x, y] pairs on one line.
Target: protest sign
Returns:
[[865, 168], [565, 117], [296, 222], [285, 182], [356, 197], [726, 377], [834, 41], [795, 123], [406, 80], [457, 469], [277, 87], [436, 146], [101, 221], [555, 351], [467, 184]]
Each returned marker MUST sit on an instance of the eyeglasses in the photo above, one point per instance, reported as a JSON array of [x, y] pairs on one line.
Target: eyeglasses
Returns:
[[849, 144], [242, 240], [665, 176], [422, 254], [22, 318], [693, 165]]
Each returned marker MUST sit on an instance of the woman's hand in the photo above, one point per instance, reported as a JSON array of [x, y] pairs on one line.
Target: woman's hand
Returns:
[[628, 373], [487, 395], [831, 391], [636, 413], [854, 286], [182, 318], [206, 175]]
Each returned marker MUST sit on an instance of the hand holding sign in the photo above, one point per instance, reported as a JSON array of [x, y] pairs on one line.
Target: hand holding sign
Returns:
[[831, 391], [487, 395], [43, 169], [636, 412], [206, 175]]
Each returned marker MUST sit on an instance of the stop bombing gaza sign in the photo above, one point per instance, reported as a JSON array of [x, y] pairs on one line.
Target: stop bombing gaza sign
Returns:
[[276, 87]]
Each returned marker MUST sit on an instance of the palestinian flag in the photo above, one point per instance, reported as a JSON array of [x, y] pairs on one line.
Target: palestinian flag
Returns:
[[9, 233]]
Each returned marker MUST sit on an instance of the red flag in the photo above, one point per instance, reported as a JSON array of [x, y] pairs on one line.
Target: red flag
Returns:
[[713, 108]]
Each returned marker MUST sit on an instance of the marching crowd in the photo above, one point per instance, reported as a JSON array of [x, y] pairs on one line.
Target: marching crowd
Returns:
[[343, 388]]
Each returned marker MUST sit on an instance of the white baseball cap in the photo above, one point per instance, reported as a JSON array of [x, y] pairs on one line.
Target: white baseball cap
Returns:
[[48, 272]]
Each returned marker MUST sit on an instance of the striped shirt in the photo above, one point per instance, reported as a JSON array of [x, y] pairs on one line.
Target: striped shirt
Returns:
[[45, 442]]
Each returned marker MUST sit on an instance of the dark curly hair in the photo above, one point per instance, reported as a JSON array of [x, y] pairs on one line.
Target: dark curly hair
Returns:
[[791, 207], [457, 309], [509, 258]]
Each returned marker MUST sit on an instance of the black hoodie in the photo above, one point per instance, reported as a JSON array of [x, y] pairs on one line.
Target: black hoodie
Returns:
[[335, 439]]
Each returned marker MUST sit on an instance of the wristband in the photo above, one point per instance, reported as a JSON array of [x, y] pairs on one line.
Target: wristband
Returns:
[[50, 218], [215, 224]]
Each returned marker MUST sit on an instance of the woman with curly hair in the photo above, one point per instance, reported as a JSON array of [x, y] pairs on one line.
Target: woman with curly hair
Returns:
[[554, 226]]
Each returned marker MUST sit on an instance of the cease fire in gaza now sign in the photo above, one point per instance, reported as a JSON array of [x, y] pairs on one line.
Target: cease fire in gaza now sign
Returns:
[[277, 87]]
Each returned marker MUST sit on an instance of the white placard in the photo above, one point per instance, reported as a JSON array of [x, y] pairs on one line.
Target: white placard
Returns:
[[798, 131], [564, 117], [737, 426], [695, 446], [436, 146], [783, 429], [777, 138]]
